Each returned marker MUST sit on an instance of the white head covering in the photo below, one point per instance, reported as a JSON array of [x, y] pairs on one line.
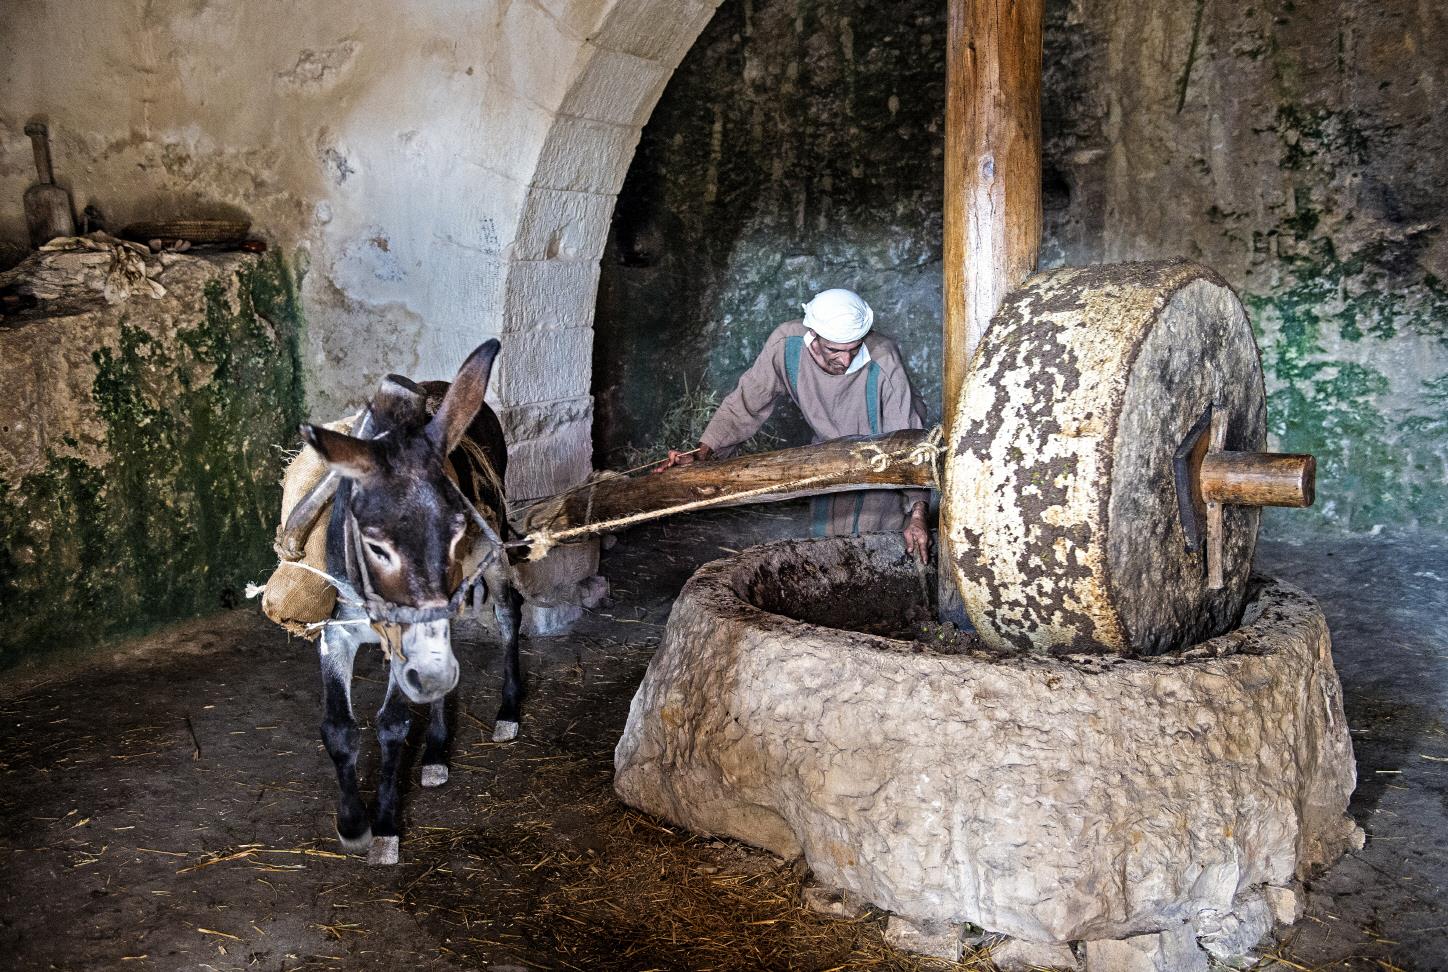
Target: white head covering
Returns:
[[839, 316]]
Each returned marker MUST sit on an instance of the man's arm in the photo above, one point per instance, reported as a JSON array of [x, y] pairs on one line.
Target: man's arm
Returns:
[[743, 411]]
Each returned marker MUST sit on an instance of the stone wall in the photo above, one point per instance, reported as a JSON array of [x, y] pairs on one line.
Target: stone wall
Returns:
[[1294, 147], [140, 474]]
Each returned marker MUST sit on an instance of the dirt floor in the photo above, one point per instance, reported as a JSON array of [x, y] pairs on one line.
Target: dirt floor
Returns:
[[168, 806]]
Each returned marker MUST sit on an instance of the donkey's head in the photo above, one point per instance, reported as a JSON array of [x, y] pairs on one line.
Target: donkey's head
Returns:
[[404, 521]]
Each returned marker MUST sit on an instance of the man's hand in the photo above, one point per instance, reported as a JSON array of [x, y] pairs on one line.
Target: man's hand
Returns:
[[677, 458], [917, 534]]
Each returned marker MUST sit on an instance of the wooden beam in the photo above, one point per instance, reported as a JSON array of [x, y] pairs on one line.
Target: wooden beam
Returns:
[[992, 167], [992, 186], [836, 466]]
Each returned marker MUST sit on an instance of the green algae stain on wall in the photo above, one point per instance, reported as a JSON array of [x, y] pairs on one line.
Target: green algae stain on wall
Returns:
[[1354, 343], [180, 515]]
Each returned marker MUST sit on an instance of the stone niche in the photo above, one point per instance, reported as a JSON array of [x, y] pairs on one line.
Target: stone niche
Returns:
[[1160, 808]]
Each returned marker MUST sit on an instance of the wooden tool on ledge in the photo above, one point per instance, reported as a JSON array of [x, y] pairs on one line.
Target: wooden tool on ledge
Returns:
[[47, 206]]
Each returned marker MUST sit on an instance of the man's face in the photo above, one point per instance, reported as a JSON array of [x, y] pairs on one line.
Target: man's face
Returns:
[[834, 358]]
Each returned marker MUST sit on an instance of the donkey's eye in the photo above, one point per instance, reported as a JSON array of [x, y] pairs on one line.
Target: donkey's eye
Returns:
[[380, 552]]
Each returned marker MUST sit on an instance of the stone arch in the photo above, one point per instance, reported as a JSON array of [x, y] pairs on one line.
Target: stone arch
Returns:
[[551, 269]]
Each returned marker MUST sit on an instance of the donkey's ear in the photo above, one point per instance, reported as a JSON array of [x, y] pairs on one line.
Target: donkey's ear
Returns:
[[464, 397], [353, 458]]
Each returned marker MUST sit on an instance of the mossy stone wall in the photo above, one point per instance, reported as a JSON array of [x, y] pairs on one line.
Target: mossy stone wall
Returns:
[[157, 492], [1296, 148]]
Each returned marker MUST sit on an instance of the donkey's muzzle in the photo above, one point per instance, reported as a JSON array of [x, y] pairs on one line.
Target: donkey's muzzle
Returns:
[[429, 670]]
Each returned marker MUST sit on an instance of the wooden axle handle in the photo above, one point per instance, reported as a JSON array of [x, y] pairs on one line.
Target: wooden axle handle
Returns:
[[1258, 479]]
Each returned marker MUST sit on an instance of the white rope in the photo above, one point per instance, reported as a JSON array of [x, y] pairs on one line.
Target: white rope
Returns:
[[925, 452]]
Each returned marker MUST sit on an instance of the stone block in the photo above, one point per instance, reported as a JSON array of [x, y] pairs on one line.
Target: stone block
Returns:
[[549, 294], [583, 155], [829, 901], [527, 31], [937, 939], [583, 17], [1169, 951], [548, 465], [541, 419], [556, 578], [545, 366], [547, 620], [561, 225], [1232, 936], [1014, 955], [555, 587], [661, 32], [852, 749], [1284, 902], [616, 87]]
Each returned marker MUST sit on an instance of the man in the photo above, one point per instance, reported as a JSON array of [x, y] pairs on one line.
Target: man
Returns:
[[847, 380]]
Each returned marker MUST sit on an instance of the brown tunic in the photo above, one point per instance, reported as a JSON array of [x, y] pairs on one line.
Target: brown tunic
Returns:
[[833, 405]]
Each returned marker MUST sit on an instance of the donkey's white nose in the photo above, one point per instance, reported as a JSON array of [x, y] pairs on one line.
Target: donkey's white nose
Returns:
[[431, 670]]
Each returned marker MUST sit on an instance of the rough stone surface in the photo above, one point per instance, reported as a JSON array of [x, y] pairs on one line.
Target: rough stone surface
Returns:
[[1060, 494], [1233, 936], [830, 901], [1014, 955], [937, 939], [1052, 800], [1285, 903], [1175, 950]]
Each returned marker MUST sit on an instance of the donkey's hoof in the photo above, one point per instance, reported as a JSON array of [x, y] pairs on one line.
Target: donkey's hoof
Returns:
[[356, 845], [505, 731], [434, 774], [383, 852]]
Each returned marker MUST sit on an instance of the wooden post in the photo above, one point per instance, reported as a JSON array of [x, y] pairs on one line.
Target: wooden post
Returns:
[[992, 182]]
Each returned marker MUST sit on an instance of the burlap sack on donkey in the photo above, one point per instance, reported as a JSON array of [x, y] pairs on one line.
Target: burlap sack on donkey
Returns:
[[296, 598]]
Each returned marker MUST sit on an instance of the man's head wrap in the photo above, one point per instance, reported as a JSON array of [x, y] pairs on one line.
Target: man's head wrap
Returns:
[[839, 316]]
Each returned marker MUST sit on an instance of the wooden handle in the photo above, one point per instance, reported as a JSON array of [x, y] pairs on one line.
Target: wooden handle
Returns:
[[40, 144], [1259, 479]]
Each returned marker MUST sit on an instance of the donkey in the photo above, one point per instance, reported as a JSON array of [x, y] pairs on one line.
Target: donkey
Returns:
[[413, 548]]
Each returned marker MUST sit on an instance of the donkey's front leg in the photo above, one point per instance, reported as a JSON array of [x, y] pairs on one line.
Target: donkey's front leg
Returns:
[[394, 720], [339, 735], [435, 748], [508, 609]]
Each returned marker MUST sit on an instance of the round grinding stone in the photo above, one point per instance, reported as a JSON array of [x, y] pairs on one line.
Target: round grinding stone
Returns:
[[1060, 494]]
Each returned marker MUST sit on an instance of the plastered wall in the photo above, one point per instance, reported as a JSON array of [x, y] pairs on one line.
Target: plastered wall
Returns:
[[436, 172]]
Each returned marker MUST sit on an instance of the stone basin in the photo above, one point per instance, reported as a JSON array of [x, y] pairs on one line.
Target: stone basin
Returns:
[[1070, 799]]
